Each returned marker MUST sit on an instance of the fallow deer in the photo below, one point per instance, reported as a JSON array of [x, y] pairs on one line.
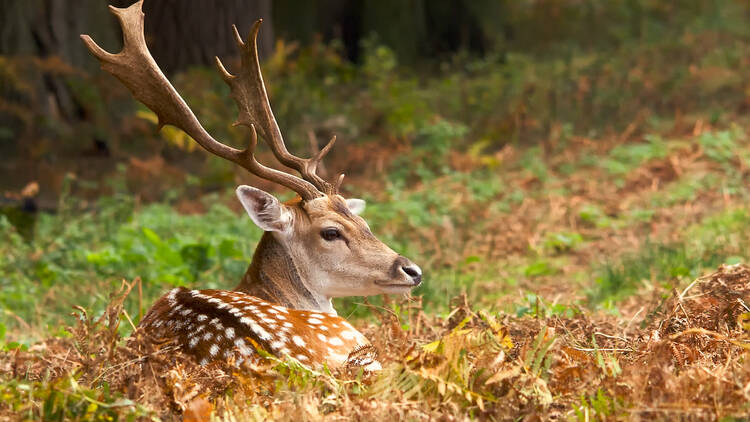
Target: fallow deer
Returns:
[[314, 248]]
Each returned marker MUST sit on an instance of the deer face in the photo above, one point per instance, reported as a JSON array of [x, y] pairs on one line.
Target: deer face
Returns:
[[331, 245]]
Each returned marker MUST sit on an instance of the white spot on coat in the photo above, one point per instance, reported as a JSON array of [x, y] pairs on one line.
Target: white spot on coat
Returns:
[[269, 321], [246, 351], [257, 329], [172, 297]]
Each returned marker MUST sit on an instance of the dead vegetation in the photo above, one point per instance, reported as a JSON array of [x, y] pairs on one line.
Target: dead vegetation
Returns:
[[683, 356]]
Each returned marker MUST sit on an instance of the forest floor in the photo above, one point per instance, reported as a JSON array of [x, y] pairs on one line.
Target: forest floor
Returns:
[[575, 280], [685, 358]]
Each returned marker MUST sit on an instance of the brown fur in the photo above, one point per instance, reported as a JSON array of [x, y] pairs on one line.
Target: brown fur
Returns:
[[295, 268], [221, 324]]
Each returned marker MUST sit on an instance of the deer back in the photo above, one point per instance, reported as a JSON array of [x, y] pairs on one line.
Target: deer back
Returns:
[[219, 324]]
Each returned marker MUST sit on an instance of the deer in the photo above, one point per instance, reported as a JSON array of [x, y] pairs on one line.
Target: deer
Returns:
[[314, 248]]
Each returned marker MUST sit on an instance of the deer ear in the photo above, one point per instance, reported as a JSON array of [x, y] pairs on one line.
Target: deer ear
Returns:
[[356, 206], [264, 209]]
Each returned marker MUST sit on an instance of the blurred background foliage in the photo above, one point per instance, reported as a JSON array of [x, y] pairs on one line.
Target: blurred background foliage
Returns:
[[453, 119], [414, 73]]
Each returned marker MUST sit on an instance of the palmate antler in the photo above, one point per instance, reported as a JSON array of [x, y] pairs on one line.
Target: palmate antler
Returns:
[[135, 67]]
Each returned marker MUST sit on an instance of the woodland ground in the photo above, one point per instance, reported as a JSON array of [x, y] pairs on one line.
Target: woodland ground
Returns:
[[590, 295], [582, 220]]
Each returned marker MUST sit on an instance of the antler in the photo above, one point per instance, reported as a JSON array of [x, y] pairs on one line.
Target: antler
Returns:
[[249, 92], [136, 69]]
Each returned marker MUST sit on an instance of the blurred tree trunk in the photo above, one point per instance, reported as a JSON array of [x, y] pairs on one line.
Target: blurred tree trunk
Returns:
[[183, 33], [49, 29], [414, 29], [180, 33], [330, 19]]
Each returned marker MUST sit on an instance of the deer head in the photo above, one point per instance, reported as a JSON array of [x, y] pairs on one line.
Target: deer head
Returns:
[[316, 247]]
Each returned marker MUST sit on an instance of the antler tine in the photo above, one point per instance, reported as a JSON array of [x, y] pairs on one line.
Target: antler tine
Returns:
[[337, 184], [296, 184], [136, 69], [249, 92]]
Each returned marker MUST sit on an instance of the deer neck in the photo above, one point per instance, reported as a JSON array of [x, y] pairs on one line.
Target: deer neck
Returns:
[[274, 276]]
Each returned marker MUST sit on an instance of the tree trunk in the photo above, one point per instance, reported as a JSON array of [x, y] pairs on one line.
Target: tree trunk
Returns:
[[180, 33], [183, 33], [49, 29]]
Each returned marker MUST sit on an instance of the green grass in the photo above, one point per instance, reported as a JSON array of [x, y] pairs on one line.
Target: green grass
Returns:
[[65, 399], [78, 258], [718, 239], [624, 158]]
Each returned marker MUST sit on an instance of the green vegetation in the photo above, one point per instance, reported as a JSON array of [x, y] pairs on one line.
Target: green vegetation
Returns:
[[77, 257], [718, 239], [66, 399], [626, 158]]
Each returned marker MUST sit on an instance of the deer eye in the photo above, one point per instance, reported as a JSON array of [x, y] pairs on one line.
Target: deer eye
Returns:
[[330, 234]]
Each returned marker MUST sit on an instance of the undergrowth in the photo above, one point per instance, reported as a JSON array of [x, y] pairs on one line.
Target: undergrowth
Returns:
[[718, 239], [468, 365]]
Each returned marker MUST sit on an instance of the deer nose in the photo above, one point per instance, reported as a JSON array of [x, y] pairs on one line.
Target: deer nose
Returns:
[[413, 271], [408, 269]]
